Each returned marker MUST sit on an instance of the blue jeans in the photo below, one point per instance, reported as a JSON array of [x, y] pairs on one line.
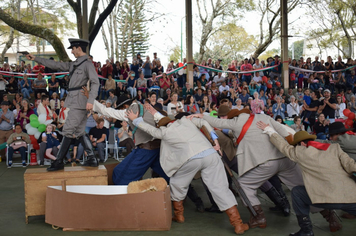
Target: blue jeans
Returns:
[[132, 91], [301, 203], [314, 86], [80, 151], [63, 91], [181, 80], [135, 165], [101, 150], [26, 92], [321, 136], [22, 151], [246, 78]]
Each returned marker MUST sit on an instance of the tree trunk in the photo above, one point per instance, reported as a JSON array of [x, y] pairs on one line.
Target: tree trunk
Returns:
[[102, 17], [77, 8], [105, 39], [38, 31], [116, 38], [207, 28], [347, 35]]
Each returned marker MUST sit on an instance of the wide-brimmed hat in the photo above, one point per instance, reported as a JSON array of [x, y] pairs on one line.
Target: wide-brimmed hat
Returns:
[[181, 114], [122, 100], [164, 121], [301, 136], [337, 128], [223, 110], [235, 112]]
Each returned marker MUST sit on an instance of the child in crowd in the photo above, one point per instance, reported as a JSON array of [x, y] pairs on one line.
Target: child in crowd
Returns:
[[300, 95], [274, 82], [300, 80], [50, 137]]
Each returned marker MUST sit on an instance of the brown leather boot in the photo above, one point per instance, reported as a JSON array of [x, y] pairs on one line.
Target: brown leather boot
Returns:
[[333, 219], [236, 221], [178, 211], [348, 216], [259, 220]]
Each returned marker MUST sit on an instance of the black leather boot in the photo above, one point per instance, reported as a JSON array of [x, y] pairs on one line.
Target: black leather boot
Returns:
[[192, 194], [58, 163], [282, 204], [214, 208], [306, 227], [88, 148]]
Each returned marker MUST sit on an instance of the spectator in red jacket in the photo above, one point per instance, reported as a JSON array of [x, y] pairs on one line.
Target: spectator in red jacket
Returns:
[[107, 69]]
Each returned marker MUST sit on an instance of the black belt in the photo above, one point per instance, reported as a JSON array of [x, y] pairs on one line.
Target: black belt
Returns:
[[76, 88]]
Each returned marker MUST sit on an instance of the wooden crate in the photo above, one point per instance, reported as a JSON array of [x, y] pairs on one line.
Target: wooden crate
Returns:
[[37, 180]]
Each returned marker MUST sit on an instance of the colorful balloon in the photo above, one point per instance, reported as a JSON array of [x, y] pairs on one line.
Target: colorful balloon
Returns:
[[34, 123], [351, 116], [42, 118], [27, 126], [269, 86], [346, 112], [32, 130], [42, 128], [33, 117], [278, 84], [37, 135], [349, 123], [264, 79]]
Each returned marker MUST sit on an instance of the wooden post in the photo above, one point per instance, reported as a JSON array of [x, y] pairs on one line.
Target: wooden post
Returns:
[[64, 185], [284, 43], [189, 35]]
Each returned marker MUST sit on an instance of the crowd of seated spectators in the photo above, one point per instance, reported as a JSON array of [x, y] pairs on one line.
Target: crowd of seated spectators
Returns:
[[263, 91]]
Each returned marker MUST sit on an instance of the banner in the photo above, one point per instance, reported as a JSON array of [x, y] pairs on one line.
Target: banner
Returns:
[[319, 72]]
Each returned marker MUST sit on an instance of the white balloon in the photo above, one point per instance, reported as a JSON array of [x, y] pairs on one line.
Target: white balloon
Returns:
[[32, 131], [48, 122], [42, 118], [37, 134], [28, 126]]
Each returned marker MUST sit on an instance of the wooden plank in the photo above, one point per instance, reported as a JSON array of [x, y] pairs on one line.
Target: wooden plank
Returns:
[[68, 172]]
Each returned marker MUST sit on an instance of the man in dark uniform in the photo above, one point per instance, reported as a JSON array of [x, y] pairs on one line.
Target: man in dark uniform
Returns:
[[80, 72]]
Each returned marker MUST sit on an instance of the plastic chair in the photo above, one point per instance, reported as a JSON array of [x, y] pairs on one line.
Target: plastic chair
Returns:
[[111, 145], [120, 150], [17, 153]]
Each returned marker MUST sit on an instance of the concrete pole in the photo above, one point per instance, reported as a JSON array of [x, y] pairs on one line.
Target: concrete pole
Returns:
[[284, 43], [189, 35]]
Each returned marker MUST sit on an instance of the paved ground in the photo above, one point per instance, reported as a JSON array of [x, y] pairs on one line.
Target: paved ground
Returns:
[[12, 216]]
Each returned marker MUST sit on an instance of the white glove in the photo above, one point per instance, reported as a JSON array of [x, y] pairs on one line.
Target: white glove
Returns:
[[157, 116], [269, 130]]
